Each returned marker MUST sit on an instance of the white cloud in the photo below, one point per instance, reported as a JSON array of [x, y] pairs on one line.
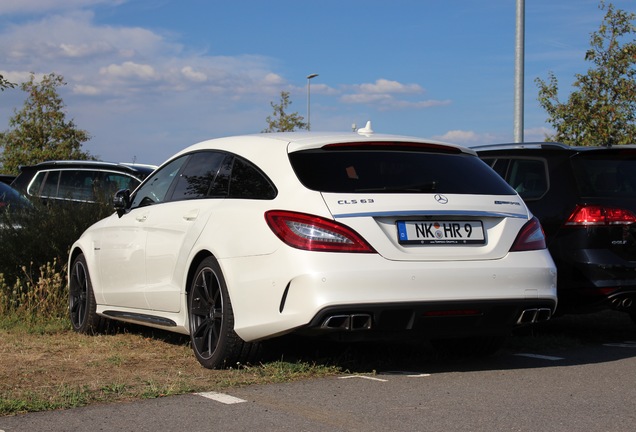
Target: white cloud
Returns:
[[388, 95], [459, 136], [129, 69], [189, 73], [385, 86], [84, 50], [464, 137], [87, 90]]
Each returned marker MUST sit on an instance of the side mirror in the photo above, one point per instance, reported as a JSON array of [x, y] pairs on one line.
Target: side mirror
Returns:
[[121, 201]]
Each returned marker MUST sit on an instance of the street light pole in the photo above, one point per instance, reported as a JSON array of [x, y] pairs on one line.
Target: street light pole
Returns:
[[519, 71], [309, 77]]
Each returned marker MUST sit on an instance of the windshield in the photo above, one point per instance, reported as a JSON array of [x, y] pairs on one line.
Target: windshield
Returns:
[[606, 174], [396, 171]]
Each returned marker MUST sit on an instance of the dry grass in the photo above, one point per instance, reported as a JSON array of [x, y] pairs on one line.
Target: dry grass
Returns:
[[64, 369]]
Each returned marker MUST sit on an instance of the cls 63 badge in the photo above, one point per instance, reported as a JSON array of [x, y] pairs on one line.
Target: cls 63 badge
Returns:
[[360, 201]]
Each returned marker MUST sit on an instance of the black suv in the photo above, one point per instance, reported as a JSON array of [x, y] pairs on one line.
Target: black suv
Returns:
[[585, 198], [80, 181]]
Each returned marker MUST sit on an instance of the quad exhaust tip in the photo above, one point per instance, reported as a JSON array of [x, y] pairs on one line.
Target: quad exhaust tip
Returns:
[[349, 322], [531, 316]]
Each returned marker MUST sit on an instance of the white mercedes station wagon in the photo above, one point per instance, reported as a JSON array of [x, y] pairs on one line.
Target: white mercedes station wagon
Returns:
[[240, 239]]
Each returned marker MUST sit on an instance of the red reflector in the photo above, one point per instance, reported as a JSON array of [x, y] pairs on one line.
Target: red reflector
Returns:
[[592, 215], [459, 312]]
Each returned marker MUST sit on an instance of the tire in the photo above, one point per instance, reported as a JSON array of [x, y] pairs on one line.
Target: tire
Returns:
[[211, 321], [82, 305], [475, 346]]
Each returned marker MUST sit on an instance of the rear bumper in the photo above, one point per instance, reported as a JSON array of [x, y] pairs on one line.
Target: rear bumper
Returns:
[[595, 279], [299, 293], [430, 319]]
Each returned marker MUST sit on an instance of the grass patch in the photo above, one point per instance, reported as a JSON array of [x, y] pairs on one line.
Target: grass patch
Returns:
[[47, 370]]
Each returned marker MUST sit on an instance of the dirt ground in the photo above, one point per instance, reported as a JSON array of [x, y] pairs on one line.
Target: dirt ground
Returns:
[[61, 370]]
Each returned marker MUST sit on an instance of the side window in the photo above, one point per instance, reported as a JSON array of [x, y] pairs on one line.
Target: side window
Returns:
[[155, 189], [49, 190], [112, 182], [35, 187], [77, 185], [499, 165], [198, 175], [528, 177], [246, 181]]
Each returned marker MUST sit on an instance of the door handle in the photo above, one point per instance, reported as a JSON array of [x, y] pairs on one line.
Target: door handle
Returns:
[[191, 215], [141, 218]]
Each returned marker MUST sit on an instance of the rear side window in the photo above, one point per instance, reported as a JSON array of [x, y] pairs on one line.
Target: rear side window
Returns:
[[528, 177], [396, 171], [247, 181], [605, 174], [198, 175]]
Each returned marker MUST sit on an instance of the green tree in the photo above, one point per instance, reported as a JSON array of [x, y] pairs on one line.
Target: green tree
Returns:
[[40, 131], [280, 120], [602, 109], [4, 83]]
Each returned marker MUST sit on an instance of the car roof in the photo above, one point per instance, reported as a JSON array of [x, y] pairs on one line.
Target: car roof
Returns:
[[297, 141], [128, 167], [556, 146]]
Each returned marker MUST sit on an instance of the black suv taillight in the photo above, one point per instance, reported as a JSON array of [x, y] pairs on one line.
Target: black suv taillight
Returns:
[[596, 215], [531, 237]]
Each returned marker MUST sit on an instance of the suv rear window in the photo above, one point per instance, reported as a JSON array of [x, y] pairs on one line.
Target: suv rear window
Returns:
[[605, 174], [368, 169]]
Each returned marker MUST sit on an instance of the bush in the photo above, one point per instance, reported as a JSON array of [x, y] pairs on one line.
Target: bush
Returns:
[[34, 246], [38, 299]]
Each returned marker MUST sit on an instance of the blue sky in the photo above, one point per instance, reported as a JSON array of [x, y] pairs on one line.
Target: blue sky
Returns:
[[147, 78]]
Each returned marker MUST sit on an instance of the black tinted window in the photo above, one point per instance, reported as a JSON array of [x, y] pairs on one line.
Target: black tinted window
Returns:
[[52, 179], [605, 174], [529, 177], [198, 175], [394, 171], [155, 189], [246, 181]]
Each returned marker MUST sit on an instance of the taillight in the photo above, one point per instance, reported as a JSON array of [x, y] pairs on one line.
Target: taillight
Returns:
[[531, 237], [595, 215], [315, 233]]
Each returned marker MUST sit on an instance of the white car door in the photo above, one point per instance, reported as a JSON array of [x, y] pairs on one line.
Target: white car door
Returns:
[[123, 242], [173, 227], [121, 260]]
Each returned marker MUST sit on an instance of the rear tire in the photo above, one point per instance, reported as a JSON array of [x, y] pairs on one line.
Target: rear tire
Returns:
[[211, 321], [82, 305]]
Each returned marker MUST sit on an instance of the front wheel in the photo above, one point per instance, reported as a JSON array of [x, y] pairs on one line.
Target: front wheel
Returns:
[[214, 342], [82, 305]]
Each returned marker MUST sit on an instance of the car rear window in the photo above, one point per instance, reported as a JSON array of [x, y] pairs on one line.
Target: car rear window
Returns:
[[403, 170], [605, 174]]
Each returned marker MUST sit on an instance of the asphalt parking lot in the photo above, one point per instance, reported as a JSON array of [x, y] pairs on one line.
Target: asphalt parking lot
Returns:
[[587, 385]]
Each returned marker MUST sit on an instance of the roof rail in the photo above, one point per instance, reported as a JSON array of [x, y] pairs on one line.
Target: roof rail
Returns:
[[523, 145]]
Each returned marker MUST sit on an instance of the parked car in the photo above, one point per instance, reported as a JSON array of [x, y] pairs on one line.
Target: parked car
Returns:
[[585, 198], [241, 239], [81, 181], [6, 178], [11, 199], [12, 207]]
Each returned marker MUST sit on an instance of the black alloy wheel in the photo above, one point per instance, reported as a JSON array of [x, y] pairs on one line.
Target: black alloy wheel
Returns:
[[211, 318], [82, 304]]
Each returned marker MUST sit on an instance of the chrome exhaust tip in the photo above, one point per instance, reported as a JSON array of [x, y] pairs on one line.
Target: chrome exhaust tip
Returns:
[[350, 322]]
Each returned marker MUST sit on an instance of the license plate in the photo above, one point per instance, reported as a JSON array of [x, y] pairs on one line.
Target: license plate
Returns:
[[441, 232]]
